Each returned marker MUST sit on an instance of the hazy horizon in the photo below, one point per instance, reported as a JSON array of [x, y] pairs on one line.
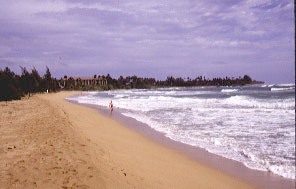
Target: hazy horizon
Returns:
[[151, 38]]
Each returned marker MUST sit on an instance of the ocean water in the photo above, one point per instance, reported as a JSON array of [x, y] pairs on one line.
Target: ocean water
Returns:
[[254, 125]]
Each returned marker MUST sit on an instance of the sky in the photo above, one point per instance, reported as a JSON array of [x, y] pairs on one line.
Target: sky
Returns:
[[151, 38]]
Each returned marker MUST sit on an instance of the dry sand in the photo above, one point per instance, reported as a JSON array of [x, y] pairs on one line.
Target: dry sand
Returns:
[[47, 142]]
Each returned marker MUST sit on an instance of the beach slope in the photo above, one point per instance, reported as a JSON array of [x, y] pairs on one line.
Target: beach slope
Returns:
[[47, 142]]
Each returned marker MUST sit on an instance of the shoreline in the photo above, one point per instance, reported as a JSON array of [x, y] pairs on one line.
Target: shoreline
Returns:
[[257, 178], [48, 142]]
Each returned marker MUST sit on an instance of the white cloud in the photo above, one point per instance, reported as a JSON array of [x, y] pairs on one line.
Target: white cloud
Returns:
[[165, 32]]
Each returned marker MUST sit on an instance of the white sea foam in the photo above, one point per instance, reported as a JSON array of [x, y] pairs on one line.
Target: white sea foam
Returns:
[[282, 89], [252, 126], [286, 85], [248, 102], [229, 90]]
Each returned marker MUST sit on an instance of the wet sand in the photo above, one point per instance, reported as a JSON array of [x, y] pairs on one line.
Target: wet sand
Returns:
[[259, 179], [47, 142]]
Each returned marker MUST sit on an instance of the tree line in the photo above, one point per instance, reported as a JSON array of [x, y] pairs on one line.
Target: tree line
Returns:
[[135, 82], [13, 86], [140, 82]]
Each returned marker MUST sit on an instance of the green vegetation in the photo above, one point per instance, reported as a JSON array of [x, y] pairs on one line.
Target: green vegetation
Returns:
[[140, 83], [13, 86]]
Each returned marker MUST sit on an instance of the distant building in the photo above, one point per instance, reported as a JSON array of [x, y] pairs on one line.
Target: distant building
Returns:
[[83, 81]]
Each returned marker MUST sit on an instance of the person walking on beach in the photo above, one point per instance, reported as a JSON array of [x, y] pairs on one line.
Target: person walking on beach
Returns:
[[111, 107]]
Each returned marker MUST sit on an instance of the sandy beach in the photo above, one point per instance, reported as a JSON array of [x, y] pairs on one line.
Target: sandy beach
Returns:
[[47, 142]]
